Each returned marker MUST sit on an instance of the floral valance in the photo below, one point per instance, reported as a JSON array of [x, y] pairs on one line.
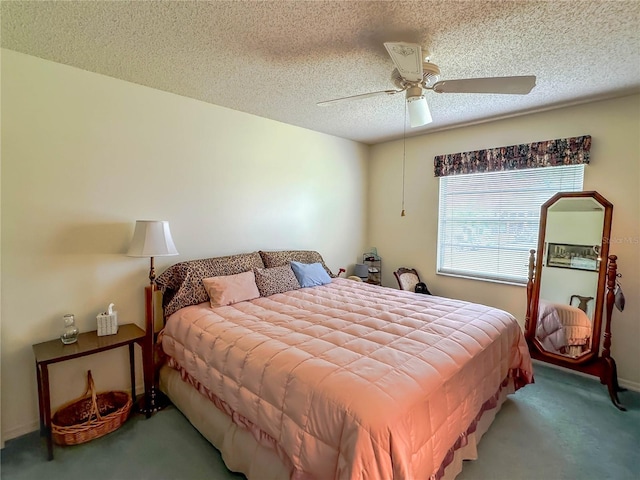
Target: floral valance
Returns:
[[550, 153]]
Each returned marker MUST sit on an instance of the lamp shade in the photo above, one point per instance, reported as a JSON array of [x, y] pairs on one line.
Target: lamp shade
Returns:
[[361, 270], [152, 238]]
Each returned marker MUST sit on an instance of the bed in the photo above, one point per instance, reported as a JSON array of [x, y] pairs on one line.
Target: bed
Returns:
[[563, 329], [336, 380]]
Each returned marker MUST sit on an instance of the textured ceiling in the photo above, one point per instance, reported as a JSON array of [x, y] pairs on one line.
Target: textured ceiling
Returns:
[[276, 59]]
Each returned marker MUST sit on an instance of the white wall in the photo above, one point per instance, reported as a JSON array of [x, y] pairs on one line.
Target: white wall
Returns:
[[614, 172], [85, 155]]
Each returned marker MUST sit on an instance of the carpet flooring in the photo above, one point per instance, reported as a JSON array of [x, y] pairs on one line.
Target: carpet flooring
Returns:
[[563, 427]]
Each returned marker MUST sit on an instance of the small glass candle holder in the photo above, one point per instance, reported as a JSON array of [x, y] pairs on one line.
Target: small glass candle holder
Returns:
[[70, 332]]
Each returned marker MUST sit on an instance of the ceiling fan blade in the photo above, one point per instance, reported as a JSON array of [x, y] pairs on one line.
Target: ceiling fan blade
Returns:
[[510, 85], [407, 58], [419, 113], [358, 97]]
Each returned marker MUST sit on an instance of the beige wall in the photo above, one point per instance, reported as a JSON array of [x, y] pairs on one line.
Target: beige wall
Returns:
[[84, 156], [614, 172]]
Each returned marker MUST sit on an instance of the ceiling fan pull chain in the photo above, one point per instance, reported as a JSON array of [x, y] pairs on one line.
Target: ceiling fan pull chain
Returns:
[[404, 154]]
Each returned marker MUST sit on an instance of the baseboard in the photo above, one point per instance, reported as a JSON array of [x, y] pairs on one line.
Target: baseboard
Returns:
[[628, 384], [19, 431]]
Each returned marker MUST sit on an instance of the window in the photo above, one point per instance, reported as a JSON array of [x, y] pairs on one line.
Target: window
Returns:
[[488, 222]]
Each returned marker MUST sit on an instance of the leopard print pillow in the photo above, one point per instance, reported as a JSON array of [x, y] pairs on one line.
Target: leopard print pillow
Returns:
[[275, 280], [181, 284], [285, 257]]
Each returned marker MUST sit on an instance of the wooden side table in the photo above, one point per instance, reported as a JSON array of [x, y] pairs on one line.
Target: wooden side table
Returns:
[[88, 343]]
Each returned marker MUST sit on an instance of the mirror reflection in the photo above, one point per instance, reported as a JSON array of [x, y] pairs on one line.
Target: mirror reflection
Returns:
[[569, 276]]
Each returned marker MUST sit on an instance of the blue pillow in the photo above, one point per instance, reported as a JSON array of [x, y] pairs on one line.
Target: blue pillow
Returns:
[[310, 274]]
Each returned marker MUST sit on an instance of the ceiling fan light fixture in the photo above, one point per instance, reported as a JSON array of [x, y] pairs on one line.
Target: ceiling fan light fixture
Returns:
[[413, 74], [419, 113]]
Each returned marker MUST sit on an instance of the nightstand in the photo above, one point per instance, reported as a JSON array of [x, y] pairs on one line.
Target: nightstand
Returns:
[[88, 343]]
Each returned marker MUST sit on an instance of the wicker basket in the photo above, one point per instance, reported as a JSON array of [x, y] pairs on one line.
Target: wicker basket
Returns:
[[91, 416]]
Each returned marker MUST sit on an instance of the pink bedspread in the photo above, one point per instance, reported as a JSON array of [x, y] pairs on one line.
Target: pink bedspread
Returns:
[[353, 380]]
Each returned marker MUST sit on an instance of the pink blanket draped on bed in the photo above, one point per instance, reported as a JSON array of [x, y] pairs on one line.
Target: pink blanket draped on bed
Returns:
[[352, 380]]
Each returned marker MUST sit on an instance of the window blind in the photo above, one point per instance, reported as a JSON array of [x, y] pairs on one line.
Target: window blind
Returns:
[[488, 222]]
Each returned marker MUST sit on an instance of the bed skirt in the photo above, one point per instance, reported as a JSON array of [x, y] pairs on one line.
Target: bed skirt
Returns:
[[242, 453]]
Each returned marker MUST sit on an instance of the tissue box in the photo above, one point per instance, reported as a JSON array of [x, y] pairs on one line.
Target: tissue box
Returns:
[[107, 324]]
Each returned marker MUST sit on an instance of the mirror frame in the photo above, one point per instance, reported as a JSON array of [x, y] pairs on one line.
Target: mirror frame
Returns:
[[532, 308]]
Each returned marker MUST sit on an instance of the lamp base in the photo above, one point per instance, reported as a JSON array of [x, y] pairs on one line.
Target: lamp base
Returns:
[[153, 402]]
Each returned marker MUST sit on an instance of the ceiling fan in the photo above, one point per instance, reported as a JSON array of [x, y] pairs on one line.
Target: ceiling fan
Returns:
[[413, 75]]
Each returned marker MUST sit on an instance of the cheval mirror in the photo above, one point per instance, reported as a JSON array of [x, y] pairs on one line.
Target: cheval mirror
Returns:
[[570, 284]]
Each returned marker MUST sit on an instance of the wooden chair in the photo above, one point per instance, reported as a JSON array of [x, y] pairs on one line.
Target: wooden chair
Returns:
[[408, 278], [582, 302]]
